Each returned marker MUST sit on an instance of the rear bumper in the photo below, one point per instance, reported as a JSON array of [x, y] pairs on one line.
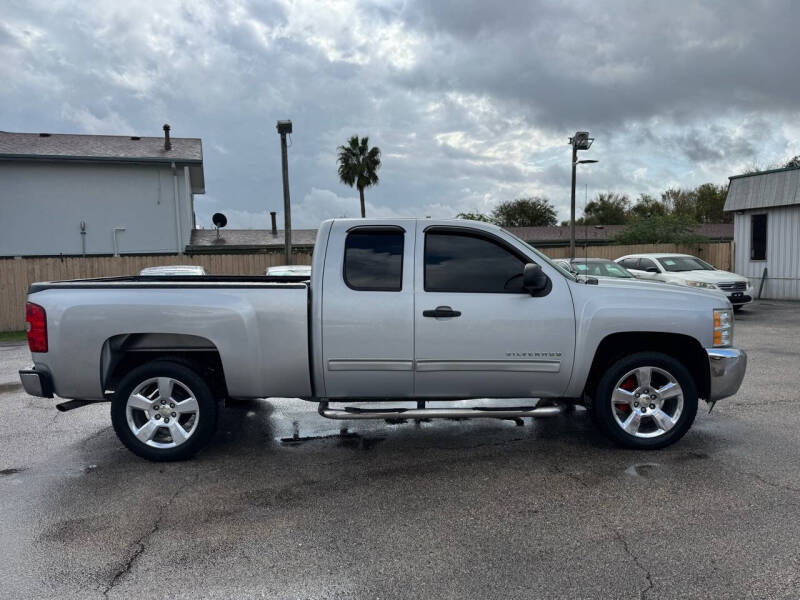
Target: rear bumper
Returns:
[[726, 368], [36, 383]]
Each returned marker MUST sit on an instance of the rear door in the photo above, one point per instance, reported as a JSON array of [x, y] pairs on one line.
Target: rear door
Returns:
[[367, 311], [477, 332]]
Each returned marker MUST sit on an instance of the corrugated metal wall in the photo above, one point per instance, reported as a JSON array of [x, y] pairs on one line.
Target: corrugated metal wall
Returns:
[[783, 251], [17, 274]]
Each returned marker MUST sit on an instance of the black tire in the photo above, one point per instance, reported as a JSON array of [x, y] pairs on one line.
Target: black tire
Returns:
[[186, 376], [603, 412]]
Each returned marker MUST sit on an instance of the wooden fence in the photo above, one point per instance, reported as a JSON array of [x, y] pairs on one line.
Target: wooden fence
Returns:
[[17, 274]]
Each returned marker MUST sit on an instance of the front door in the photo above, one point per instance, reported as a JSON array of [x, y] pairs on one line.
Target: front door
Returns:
[[477, 332]]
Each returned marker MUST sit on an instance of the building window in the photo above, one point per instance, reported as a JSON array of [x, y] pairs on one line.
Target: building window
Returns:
[[458, 262], [758, 237], [373, 260]]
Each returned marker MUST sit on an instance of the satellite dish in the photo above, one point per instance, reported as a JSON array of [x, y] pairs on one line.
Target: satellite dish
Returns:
[[219, 220]]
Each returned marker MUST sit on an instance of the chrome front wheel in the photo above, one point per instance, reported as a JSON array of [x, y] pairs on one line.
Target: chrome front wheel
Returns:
[[647, 402]]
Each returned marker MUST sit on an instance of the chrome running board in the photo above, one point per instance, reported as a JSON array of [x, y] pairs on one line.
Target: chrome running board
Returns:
[[351, 412]]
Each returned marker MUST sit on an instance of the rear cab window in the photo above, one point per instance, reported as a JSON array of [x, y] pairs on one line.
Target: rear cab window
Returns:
[[373, 259]]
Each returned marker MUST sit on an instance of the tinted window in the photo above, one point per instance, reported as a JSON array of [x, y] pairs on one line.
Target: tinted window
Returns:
[[466, 263], [646, 263], [758, 237], [630, 263], [373, 260]]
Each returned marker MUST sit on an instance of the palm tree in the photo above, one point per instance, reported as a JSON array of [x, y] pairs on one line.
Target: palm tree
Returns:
[[358, 165]]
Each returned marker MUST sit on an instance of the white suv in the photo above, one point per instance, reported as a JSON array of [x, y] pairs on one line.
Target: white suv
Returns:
[[684, 269]]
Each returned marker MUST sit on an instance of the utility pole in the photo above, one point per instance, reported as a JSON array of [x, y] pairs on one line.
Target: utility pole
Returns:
[[580, 141], [285, 127]]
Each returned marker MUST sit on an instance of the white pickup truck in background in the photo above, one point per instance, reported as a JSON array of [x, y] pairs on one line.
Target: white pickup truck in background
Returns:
[[395, 310]]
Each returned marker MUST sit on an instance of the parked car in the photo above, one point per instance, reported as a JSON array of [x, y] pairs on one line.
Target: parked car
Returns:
[[173, 270], [289, 271], [684, 269], [594, 267], [396, 309]]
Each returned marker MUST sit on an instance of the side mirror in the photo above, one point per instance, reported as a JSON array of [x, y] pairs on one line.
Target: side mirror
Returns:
[[652, 270], [533, 279]]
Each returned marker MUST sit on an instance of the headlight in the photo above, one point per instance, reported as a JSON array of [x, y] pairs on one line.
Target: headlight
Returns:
[[701, 284], [723, 327]]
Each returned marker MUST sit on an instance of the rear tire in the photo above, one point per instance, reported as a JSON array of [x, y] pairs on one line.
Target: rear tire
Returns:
[[164, 411], [647, 401]]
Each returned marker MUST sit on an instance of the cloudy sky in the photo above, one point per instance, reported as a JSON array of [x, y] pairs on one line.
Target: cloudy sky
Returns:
[[470, 101]]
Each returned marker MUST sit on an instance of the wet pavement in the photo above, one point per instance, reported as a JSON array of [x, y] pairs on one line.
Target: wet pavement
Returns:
[[286, 504]]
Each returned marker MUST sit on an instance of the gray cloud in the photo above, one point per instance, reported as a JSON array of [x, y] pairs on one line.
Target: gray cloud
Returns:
[[471, 102]]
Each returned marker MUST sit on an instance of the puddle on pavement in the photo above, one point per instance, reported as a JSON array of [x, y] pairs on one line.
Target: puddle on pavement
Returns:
[[642, 470], [345, 438]]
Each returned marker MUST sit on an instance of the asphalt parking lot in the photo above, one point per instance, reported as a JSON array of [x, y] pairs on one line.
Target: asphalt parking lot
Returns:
[[285, 505]]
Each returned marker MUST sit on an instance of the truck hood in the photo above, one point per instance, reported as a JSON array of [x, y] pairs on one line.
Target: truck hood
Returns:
[[670, 292]]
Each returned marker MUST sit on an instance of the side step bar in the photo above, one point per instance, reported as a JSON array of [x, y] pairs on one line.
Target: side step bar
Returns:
[[350, 412]]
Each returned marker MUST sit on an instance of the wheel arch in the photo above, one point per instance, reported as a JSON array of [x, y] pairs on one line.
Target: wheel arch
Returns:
[[124, 352], [683, 348]]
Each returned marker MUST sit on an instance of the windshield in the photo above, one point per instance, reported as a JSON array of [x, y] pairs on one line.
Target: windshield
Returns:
[[676, 264], [601, 269]]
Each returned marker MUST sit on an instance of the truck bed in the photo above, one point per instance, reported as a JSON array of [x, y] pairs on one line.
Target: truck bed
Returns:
[[258, 325]]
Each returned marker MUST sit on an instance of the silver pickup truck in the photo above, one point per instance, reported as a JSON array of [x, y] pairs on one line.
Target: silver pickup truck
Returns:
[[395, 310]]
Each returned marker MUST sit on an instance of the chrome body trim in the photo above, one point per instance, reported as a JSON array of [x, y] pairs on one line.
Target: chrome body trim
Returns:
[[531, 366], [370, 365], [726, 371]]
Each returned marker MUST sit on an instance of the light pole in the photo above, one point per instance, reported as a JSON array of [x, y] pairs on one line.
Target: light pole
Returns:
[[285, 127], [580, 141]]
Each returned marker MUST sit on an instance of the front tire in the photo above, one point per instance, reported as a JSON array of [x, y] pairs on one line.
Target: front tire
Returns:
[[647, 400], [164, 411]]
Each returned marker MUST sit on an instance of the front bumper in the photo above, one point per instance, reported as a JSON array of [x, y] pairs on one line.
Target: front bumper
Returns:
[[726, 368], [36, 383], [739, 298]]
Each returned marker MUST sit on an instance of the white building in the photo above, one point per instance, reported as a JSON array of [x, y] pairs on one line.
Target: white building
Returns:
[[97, 194], [766, 209]]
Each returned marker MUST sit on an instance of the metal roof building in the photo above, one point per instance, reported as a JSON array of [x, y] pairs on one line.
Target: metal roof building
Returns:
[[766, 207]]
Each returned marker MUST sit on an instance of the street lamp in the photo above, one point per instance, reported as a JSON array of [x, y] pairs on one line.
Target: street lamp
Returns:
[[580, 141]]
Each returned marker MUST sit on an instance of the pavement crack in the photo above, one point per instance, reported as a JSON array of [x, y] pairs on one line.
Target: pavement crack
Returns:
[[647, 575], [617, 535], [140, 546]]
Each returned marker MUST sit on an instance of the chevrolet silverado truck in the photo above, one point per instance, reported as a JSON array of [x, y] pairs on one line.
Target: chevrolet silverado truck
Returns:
[[394, 311]]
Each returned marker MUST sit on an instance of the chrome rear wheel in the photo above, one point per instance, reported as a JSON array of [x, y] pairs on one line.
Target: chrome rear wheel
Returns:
[[162, 412]]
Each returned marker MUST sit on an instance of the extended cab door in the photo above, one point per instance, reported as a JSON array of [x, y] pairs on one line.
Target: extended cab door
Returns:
[[477, 332], [367, 310]]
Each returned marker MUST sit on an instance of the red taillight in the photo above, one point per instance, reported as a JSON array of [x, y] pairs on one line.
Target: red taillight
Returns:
[[36, 326]]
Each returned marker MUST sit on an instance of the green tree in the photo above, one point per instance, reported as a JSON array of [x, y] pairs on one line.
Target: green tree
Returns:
[[607, 208], [660, 229], [646, 207], [709, 202], [474, 216], [525, 212], [358, 165], [792, 162], [680, 202]]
